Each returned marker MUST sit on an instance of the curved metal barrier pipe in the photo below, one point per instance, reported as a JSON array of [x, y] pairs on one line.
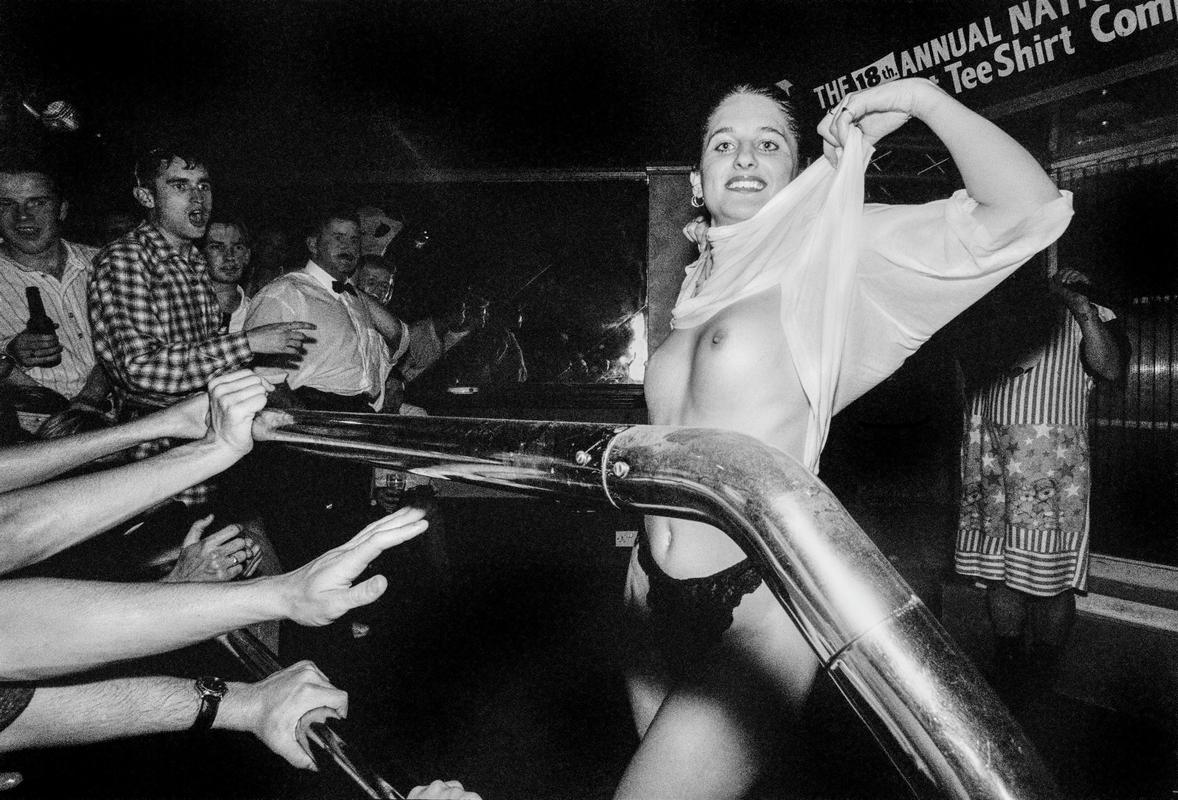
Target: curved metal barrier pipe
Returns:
[[327, 746], [932, 711]]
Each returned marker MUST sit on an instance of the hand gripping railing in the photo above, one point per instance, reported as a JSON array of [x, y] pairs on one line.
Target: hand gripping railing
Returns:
[[926, 703], [326, 745]]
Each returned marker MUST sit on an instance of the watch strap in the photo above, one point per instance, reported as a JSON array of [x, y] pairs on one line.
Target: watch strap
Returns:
[[211, 690]]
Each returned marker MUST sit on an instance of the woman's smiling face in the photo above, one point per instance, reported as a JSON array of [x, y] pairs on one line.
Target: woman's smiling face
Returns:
[[749, 155]]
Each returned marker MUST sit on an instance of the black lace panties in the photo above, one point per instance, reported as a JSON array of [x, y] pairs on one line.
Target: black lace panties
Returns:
[[691, 614]]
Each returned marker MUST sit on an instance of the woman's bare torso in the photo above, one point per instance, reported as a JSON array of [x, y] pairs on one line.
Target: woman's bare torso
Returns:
[[734, 372]]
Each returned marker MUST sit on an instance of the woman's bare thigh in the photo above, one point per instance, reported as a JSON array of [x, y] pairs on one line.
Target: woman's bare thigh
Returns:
[[711, 735], [647, 679]]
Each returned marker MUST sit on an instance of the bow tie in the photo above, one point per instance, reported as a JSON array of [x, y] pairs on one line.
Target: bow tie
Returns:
[[343, 287]]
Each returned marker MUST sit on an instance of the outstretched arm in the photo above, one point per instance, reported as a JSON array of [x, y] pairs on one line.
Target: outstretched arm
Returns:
[[1005, 180], [277, 710], [270, 709], [38, 521], [30, 463], [42, 634]]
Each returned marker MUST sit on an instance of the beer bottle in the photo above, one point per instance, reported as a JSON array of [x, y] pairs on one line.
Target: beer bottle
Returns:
[[39, 321]]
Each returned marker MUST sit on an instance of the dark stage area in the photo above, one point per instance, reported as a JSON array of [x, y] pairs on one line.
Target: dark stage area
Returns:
[[508, 679]]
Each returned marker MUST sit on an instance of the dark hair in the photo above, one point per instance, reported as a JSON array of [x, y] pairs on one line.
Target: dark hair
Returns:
[[324, 216], [20, 161], [151, 163], [784, 106], [222, 219]]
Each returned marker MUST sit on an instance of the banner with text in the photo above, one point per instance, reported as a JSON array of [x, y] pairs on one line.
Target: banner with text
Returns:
[[1023, 48]]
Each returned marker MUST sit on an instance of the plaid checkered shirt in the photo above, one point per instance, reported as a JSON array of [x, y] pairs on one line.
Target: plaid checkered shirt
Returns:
[[156, 326]]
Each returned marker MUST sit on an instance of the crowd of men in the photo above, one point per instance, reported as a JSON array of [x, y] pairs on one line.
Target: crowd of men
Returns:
[[164, 360]]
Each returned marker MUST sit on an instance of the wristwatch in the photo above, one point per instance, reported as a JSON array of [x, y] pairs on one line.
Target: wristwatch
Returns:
[[211, 690]]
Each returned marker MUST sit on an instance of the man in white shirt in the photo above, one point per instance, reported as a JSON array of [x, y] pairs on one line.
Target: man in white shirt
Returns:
[[33, 254], [345, 365], [226, 249], [343, 369]]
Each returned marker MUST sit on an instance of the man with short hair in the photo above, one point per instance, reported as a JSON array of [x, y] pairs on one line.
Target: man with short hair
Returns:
[[376, 276], [345, 367], [155, 315], [34, 254], [227, 251]]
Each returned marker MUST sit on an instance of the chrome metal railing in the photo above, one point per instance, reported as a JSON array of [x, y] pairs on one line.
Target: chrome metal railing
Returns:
[[926, 703], [326, 745]]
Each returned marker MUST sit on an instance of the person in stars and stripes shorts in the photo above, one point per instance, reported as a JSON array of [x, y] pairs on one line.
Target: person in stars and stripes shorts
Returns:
[[1023, 530]]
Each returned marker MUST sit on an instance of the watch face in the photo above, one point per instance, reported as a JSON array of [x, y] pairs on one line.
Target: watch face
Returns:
[[211, 685]]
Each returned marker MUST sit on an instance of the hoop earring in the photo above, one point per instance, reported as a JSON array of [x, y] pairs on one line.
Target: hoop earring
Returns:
[[697, 201]]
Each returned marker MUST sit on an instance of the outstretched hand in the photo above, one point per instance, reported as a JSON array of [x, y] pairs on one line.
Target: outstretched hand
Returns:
[[321, 591], [280, 338], [877, 112]]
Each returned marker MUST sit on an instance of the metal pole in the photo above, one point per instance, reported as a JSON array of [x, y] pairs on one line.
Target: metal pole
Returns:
[[261, 662], [925, 701]]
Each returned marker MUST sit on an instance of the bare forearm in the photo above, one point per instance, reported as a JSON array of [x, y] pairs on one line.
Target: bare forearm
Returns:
[[386, 324], [38, 521], [95, 712], [42, 633], [30, 463], [1102, 354], [998, 172], [75, 715]]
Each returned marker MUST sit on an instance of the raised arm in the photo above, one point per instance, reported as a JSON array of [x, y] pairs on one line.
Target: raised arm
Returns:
[[38, 521], [1100, 350], [1005, 180], [43, 635], [394, 331]]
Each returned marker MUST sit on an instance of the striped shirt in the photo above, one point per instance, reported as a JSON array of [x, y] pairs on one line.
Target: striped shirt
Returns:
[[65, 302], [1053, 390], [156, 320]]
